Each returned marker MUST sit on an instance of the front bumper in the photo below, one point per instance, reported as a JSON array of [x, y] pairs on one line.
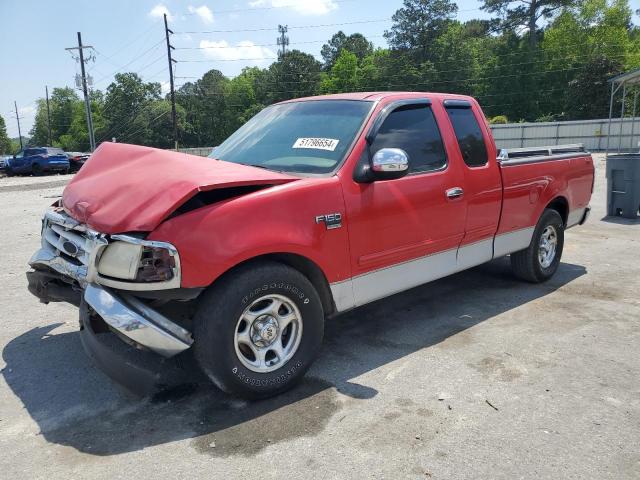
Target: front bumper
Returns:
[[138, 322], [138, 371], [66, 269]]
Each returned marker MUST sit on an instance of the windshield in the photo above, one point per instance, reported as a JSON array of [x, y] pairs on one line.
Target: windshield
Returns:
[[306, 137]]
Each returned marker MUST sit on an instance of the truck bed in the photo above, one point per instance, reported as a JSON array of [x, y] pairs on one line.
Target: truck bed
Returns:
[[567, 176]]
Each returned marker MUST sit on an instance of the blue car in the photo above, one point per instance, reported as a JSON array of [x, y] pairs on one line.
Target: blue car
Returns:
[[38, 160]]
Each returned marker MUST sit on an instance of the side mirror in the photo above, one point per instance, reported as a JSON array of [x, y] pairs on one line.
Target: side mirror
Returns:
[[390, 163], [386, 164]]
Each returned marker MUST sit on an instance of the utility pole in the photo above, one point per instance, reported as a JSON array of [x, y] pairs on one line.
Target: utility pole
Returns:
[[283, 39], [15, 104], [173, 93], [87, 102], [46, 89]]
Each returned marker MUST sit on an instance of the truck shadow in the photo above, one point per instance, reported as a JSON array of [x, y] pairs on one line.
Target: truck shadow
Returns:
[[76, 405]]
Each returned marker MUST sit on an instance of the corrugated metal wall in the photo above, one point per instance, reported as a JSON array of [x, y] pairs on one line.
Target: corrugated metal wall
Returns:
[[591, 133]]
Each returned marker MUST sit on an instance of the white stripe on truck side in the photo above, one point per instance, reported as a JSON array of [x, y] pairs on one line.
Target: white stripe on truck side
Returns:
[[386, 281]]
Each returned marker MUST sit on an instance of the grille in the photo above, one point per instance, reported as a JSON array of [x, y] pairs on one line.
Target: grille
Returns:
[[68, 239]]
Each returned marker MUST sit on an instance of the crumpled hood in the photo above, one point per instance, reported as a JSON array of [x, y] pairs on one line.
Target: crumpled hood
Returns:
[[127, 188]]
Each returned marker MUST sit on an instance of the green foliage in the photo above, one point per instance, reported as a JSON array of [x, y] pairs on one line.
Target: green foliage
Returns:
[[514, 14], [418, 25], [561, 75], [355, 43], [40, 132], [5, 143], [499, 120]]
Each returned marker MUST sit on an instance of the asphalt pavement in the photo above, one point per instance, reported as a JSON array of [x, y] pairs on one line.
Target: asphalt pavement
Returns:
[[476, 376]]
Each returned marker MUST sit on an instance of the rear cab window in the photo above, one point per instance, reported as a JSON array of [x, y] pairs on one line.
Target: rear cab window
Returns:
[[413, 128], [468, 132]]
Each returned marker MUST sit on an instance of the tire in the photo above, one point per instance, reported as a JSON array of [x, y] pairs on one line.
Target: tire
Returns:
[[9, 171], [535, 264], [226, 329], [36, 170]]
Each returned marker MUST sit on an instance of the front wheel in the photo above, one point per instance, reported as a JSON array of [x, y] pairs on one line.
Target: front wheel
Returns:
[[36, 170], [540, 260], [258, 329]]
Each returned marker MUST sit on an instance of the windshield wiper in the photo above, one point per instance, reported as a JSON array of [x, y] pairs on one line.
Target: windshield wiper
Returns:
[[262, 167], [256, 165]]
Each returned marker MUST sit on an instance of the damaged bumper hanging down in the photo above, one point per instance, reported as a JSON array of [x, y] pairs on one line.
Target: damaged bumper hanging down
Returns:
[[138, 322], [69, 268]]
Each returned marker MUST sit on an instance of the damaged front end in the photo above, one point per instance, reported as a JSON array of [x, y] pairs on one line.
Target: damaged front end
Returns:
[[120, 283]]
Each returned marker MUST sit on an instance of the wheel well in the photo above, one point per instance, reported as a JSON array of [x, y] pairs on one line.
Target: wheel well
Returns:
[[309, 269], [560, 205]]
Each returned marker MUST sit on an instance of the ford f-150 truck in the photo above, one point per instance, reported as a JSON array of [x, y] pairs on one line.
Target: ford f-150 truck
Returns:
[[313, 207]]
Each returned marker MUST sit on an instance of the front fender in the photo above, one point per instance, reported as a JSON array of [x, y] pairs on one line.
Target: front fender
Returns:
[[282, 219]]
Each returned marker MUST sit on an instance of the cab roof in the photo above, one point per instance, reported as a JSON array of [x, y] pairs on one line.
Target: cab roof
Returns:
[[375, 96]]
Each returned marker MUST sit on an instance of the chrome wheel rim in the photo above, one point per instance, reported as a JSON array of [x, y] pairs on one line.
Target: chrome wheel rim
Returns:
[[548, 246], [268, 333]]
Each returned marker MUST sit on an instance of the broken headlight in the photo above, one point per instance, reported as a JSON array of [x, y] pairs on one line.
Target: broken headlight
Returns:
[[136, 260], [156, 265]]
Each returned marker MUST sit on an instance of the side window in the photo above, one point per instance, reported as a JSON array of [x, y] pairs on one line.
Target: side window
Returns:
[[469, 135], [28, 153], [413, 128], [20, 154]]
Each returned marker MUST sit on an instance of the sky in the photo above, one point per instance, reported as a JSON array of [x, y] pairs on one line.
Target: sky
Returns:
[[128, 35]]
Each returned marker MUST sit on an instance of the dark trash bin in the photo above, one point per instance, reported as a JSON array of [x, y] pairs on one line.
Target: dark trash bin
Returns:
[[623, 184]]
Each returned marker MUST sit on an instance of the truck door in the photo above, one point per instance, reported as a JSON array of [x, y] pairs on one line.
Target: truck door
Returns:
[[405, 232], [17, 162], [475, 151]]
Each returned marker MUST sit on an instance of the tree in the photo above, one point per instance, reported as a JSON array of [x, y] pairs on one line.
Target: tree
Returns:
[[295, 74], [588, 93], [124, 104], [62, 104], [514, 14], [5, 143], [418, 24], [205, 105], [355, 43], [343, 75], [40, 130]]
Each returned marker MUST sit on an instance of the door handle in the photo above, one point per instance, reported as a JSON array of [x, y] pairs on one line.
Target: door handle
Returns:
[[455, 192]]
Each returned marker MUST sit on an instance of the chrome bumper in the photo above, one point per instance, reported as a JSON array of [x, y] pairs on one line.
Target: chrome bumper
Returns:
[[135, 320]]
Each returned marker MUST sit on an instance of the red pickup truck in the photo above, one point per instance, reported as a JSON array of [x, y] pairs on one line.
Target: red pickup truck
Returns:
[[314, 207]]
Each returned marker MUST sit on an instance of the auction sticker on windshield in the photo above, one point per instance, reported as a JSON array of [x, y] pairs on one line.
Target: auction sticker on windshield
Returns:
[[317, 143]]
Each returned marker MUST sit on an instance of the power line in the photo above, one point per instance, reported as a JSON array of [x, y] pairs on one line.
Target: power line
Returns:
[[122, 68], [305, 27], [127, 135], [427, 83], [126, 45], [272, 7], [440, 72], [278, 44]]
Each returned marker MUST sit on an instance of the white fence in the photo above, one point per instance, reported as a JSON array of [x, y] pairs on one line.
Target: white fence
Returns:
[[199, 151], [591, 133]]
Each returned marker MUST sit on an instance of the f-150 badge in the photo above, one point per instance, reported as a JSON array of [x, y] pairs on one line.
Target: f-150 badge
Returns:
[[330, 220]]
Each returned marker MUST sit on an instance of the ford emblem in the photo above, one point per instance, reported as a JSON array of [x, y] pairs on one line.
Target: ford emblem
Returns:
[[70, 248]]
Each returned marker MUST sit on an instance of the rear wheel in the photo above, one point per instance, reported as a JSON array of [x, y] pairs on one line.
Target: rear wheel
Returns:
[[258, 330], [540, 260]]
